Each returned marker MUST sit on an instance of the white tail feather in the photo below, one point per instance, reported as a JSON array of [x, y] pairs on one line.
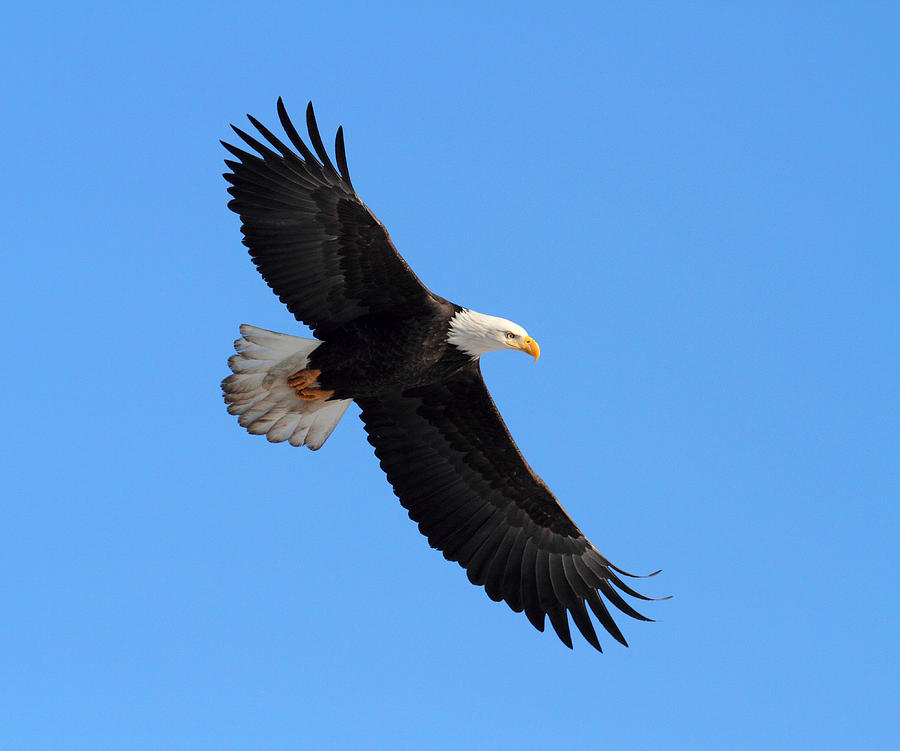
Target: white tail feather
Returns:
[[258, 392]]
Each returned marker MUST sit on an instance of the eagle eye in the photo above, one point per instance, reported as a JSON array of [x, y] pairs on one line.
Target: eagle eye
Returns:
[[510, 335]]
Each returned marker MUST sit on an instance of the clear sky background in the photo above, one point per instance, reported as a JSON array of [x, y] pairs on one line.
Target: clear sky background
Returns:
[[693, 207]]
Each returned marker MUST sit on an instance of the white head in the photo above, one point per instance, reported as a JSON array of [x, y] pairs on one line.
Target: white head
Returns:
[[475, 333]]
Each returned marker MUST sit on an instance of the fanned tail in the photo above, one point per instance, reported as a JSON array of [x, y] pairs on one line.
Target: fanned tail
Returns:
[[259, 394]]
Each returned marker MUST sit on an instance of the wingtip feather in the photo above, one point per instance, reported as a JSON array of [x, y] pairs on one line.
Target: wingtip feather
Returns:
[[316, 138], [341, 154], [633, 576]]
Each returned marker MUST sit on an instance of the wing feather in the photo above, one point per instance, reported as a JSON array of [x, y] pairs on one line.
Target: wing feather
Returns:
[[549, 599], [529, 585], [295, 139], [489, 547], [496, 566], [341, 155], [316, 139]]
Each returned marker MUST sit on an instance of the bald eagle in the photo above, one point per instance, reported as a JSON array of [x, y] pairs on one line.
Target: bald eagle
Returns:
[[410, 361]]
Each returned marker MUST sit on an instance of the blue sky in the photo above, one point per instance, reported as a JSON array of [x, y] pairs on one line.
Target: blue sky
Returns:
[[693, 207]]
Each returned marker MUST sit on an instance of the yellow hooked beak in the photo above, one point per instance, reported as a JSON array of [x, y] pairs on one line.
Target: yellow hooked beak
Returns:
[[530, 346]]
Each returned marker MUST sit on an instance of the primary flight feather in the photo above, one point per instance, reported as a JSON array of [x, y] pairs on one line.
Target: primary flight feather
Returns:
[[410, 360]]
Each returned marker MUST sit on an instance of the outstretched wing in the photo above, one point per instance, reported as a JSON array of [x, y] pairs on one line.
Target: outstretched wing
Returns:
[[456, 469], [324, 254]]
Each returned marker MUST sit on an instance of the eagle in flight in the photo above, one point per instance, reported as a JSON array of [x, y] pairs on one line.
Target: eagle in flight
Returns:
[[410, 360]]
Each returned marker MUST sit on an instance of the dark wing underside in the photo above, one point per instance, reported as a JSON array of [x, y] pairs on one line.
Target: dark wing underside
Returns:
[[315, 243], [456, 469]]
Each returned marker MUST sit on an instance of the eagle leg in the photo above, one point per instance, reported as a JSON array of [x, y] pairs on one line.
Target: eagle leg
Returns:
[[303, 378], [314, 395], [302, 382]]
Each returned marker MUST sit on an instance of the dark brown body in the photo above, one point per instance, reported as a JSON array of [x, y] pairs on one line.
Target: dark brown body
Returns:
[[386, 353]]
